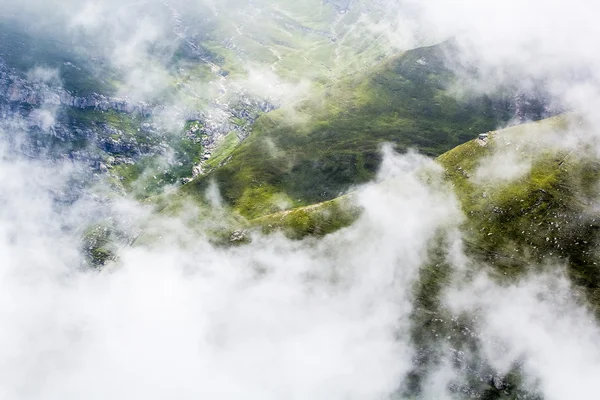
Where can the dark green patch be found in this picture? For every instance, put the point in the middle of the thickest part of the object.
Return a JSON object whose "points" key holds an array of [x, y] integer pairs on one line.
{"points": [[336, 145]]}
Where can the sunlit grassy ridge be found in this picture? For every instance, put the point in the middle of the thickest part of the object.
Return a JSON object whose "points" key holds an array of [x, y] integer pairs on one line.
{"points": [[315, 220], [539, 218], [322, 147], [514, 226]]}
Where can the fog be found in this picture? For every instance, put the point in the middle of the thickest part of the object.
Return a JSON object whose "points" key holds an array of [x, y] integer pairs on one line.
{"points": [[325, 319], [329, 318]]}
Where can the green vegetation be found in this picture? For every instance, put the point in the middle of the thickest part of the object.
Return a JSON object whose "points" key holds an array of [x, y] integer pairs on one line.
{"points": [[98, 246], [314, 220], [324, 146], [147, 172], [513, 226], [223, 150], [142, 179], [535, 220], [128, 123]]}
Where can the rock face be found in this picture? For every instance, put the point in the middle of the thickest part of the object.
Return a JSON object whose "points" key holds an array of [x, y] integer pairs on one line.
{"points": [[98, 145], [14, 89], [35, 114], [63, 125], [222, 119]]}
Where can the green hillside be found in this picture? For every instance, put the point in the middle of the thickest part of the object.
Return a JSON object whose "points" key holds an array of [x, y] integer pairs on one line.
{"points": [[542, 216], [526, 220], [323, 146]]}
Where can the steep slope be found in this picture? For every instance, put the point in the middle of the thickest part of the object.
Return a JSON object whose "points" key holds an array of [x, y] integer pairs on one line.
{"points": [[542, 212], [322, 147], [529, 194], [529, 197], [311, 39]]}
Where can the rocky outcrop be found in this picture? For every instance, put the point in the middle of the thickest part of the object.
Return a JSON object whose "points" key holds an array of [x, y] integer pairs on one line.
{"points": [[213, 124], [39, 107], [15, 89]]}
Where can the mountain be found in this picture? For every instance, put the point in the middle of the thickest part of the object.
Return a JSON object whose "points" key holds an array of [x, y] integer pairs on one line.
{"points": [[320, 148], [542, 212], [208, 71], [311, 152], [78, 102], [310, 199], [538, 215]]}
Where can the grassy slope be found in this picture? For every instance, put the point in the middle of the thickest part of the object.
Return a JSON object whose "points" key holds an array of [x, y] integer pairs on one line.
{"points": [[315, 220], [538, 219], [336, 143], [514, 227]]}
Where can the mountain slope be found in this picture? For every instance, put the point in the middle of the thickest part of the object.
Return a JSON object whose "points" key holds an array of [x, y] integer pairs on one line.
{"points": [[540, 213], [544, 215], [322, 147], [529, 198]]}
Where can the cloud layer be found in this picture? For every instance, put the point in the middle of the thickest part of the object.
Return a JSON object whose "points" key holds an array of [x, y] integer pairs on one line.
{"points": [[319, 319]]}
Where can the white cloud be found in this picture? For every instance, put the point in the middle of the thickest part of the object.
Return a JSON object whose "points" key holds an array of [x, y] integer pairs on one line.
{"points": [[502, 167], [313, 319], [271, 319], [540, 322]]}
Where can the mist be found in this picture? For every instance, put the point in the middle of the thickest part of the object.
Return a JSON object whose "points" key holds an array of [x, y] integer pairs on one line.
{"points": [[178, 316], [276, 318]]}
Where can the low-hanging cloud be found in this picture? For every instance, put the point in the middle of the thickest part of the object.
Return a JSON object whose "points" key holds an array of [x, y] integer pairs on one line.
{"points": [[539, 323], [275, 318], [327, 318]]}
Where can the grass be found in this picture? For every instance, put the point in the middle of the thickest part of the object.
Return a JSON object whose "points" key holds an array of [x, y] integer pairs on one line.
{"points": [[336, 143], [512, 228], [315, 220], [515, 227], [538, 219], [98, 246], [128, 123], [151, 174]]}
